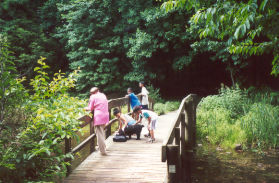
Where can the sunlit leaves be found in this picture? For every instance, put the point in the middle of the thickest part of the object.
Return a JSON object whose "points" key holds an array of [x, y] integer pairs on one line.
{"points": [[53, 117], [237, 22], [275, 63]]}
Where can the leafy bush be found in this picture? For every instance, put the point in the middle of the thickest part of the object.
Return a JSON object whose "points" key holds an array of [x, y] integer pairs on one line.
{"points": [[234, 117], [36, 152], [172, 105], [12, 113], [154, 93], [169, 106], [159, 108], [231, 99]]}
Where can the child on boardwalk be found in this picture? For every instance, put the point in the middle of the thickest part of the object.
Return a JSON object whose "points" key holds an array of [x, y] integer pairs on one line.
{"points": [[150, 116], [127, 124], [133, 98], [124, 119]]}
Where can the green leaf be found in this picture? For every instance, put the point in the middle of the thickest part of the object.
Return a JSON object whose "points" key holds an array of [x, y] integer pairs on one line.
{"points": [[229, 42], [48, 152], [263, 4], [44, 135], [57, 168], [243, 29], [37, 68], [236, 34]]}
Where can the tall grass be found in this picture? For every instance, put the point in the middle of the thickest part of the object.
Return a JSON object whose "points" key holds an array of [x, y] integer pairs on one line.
{"points": [[237, 116]]}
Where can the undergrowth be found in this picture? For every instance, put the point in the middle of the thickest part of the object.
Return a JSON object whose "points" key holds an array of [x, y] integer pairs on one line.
{"points": [[237, 116]]}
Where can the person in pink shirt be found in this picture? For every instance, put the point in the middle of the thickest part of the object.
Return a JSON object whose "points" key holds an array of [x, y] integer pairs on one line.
{"points": [[99, 104]]}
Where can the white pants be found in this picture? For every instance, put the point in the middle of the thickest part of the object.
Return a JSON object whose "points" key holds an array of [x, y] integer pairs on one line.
{"points": [[100, 133]]}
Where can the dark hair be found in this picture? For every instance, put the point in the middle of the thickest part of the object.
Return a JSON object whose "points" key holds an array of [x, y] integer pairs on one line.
{"points": [[116, 111], [130, 89], [141, 82], [136, 109]]}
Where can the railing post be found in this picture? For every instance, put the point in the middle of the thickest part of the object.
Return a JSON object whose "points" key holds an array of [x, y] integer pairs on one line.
{"points": [[92, 143], [67, 150], [182, 132], [108, 130], [195, 104], [173, 163], [129, 106], [190, 124], [177, 136], [177, 142], [185, 155]]}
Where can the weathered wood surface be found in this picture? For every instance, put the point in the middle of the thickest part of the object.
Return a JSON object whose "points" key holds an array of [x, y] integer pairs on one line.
{"points": [[181, 132], [132, 161]]}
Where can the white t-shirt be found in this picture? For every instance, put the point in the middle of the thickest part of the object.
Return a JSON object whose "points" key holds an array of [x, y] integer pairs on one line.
{"points": [[147, 113], [144, 93]]}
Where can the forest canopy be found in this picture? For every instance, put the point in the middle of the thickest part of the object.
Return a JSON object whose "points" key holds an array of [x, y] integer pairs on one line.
{"points": [[164, 43]]}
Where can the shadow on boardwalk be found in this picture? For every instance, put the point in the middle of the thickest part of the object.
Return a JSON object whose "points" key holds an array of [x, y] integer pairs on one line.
{"points": [[132, 161]]}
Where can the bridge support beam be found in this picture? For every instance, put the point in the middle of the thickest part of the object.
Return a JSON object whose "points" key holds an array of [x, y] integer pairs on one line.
{"points": [[173, 163]]}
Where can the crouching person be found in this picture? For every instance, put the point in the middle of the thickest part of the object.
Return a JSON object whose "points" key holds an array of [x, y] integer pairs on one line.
{"points": [[127, 124], [151, 118]]}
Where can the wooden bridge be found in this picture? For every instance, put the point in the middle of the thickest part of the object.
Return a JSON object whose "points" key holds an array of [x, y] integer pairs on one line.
{"points": [[166, 160]]}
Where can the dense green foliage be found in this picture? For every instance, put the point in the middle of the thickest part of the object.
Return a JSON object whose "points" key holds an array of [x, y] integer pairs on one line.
{"points": [[163, 108], [243, 27], [33, 127], [104, 37], [29, 27], [136, 40], [237, 116]]}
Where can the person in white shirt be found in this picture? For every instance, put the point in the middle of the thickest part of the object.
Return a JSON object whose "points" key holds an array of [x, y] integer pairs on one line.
{"points": [[144, 93]]}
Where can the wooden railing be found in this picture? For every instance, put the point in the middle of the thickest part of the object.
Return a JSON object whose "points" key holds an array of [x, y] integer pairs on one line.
{"points": [[177, 148], [118, 102]]}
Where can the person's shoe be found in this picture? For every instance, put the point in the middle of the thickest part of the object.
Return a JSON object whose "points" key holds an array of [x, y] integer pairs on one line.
{"points": [[151, 140], [104, 154], [147, 135]]}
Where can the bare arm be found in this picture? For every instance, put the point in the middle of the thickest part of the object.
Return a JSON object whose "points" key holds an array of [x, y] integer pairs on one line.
{"points": [[123, 119], [139, 119], [120, 125], [149, 120]]}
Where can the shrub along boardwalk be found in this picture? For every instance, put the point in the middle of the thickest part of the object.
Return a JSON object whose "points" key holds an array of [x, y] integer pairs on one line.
{"points": [[131, 161]]}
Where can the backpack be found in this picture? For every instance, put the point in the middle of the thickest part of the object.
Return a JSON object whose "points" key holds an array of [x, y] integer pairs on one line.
{"points": [[119, 138]]}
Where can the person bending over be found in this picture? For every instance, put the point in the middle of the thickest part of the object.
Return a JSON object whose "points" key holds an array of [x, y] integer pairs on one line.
{"points": [[151, 118], [127, 124]]}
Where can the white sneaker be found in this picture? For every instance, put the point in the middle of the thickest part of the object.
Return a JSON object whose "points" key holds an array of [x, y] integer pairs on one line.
{"points": [[151, 140]]}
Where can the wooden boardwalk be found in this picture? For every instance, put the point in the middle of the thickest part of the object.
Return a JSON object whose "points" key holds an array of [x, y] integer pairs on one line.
{"points": [[132, 161]]}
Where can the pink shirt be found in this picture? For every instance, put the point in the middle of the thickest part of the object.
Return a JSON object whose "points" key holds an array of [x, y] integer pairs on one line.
{"points": [[99, 103]]}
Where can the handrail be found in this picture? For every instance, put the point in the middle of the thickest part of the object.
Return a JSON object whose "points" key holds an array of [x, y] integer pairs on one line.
{"points": [[118, 102], [178, 145]]}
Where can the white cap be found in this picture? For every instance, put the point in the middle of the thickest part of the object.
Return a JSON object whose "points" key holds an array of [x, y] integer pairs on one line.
{"points": [[94, 90]]}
